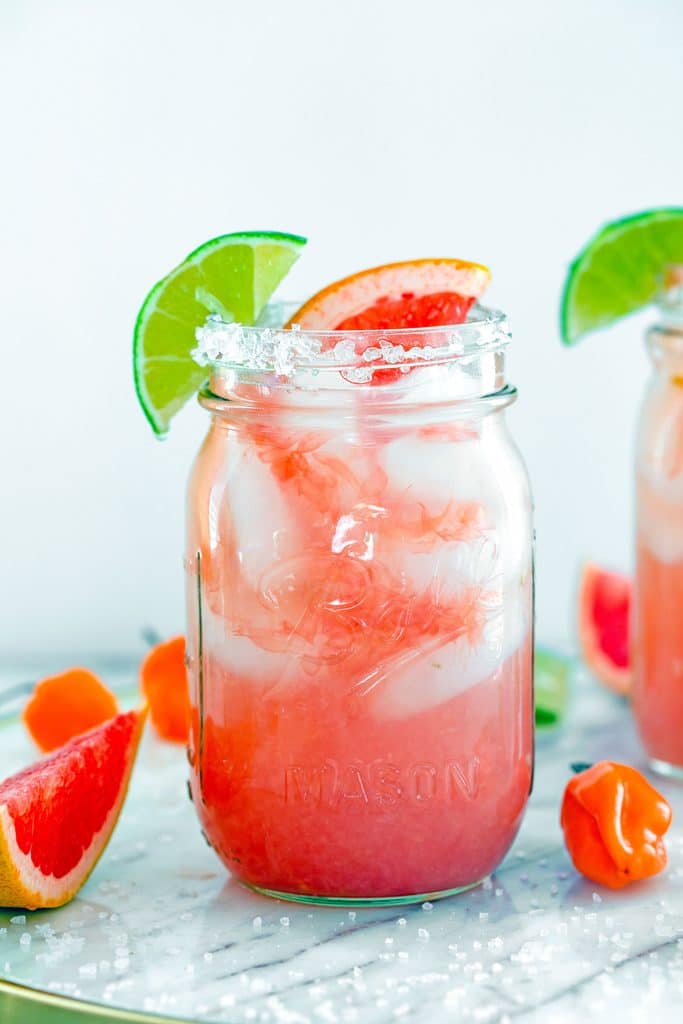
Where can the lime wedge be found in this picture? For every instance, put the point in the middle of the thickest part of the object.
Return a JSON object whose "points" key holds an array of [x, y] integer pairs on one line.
{"points": [[620, 270], [233, 275], [551, 686]]}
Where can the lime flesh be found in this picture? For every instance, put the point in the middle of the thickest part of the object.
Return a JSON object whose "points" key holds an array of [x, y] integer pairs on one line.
{"points": [[620, 270], [551, 686], [233, 276]]}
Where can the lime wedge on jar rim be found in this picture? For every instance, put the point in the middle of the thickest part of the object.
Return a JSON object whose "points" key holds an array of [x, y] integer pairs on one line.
{"points": [[233, 276], [620, 270]]}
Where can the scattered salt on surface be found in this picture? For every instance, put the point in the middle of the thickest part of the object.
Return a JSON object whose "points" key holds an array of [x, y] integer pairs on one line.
{"points": [[257, 923], [284, 921], [25, 940], [401, 922], [423, 934], [427, 906], [18, 919]]}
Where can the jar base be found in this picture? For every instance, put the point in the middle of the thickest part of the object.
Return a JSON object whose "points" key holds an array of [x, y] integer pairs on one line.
{"points": [[373, 901], [671, 771]]}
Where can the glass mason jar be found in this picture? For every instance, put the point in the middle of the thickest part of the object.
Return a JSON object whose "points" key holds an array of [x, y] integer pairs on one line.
{"points": [[657, 640], [359, 568]]}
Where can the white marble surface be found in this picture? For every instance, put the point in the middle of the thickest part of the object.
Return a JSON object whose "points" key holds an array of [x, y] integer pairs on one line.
{"points": [[161, 927]]}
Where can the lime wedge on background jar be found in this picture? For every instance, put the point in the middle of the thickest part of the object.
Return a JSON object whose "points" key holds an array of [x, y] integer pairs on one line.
{"points": [[232, 276], [633, 263], [620, 270]]}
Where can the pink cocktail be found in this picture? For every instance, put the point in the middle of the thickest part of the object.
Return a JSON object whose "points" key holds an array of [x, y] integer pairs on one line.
{"points": [[658, 590], [360, 613]]}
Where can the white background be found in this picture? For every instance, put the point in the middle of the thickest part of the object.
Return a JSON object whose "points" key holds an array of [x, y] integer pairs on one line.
{"points": [[499, 131]]}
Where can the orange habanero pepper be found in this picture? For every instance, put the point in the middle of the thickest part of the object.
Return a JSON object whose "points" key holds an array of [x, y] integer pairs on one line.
{"points": [[613, 822]]}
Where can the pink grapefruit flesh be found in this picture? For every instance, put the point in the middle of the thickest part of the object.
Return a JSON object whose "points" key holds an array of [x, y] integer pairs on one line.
{"points": [[57, 815], [604, 610], [415, 293]]}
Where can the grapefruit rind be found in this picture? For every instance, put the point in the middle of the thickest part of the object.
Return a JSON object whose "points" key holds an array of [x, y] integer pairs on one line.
{"points": [[351, 295], [22, 884], [613, 676]]}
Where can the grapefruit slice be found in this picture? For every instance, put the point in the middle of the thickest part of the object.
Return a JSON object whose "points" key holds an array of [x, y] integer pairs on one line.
{"points": [[57, 815], [415, 293], [604, 609]]}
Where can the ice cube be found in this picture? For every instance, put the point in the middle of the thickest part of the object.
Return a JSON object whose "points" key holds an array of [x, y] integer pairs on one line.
{"points": [[660, 476], [448, 568], [241, 657], [660, 519], [435, 472], [257, 514], [427, 677], [485, 473]]}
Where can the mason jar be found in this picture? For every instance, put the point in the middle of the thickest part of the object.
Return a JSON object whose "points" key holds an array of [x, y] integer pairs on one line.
{"points": [[657, 640], [360, 610]]}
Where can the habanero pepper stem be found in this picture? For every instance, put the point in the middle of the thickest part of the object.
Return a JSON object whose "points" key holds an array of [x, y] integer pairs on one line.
{"points": [[613, 822]]}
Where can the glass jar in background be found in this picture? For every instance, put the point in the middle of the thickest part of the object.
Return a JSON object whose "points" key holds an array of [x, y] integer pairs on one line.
{"points": [[658, 592], [359, 568]]}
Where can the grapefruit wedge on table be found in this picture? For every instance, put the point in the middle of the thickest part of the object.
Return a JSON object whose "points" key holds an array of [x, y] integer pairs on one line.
{"points": [[57, 815], [414, 293], [604, 610]]}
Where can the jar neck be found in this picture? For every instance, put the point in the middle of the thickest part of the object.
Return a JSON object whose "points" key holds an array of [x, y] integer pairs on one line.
{"points": [[431, 397]]}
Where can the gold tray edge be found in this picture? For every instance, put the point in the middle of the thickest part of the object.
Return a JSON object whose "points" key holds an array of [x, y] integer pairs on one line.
{"points": [[18, 1001]]}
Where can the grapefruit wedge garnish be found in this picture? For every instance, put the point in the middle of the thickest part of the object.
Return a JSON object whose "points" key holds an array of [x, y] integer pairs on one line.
{"points": [[56, 816], [416, 293], [604, 610]]}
